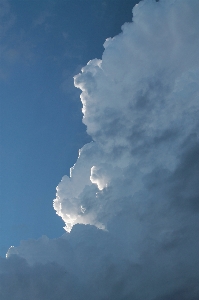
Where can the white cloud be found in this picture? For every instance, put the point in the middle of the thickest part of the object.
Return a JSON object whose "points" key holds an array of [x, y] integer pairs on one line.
{"points": [[137, 179], [139, 102]]}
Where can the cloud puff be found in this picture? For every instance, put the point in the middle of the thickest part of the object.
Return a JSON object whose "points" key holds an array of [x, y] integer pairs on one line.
{"points": [[140, 106], [131, 201]]}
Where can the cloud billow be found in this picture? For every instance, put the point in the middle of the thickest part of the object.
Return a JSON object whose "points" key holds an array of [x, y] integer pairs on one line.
{"points": [[131, 202]]}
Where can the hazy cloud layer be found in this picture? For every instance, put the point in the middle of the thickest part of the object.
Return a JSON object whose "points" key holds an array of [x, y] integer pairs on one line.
{"points": [[137, 180]]}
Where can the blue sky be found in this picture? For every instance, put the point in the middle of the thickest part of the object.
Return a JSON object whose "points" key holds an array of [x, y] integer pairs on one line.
{"points": [[44, 44], [99, 203]]}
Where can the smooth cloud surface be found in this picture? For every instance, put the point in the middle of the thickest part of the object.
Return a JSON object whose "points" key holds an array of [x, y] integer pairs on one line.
{"points": [[137, 180]]}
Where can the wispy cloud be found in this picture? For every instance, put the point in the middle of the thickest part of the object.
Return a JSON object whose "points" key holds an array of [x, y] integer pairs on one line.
{"points": [[15, 46], [7, 19], [41, 20]]}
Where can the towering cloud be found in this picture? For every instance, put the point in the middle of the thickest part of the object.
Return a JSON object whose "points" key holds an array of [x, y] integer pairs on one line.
{"points": [[131, 202]]}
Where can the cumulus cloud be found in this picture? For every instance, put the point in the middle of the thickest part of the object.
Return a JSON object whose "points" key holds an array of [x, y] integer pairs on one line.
{"points": [[131, 201]]}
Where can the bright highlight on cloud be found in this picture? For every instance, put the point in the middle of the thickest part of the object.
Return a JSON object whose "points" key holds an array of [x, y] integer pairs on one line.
{"points": [[137, 182], [140, 107]]}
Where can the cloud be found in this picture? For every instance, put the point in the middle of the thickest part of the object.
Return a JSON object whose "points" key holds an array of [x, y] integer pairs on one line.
{"points": [[15, 45], [131, 201], [41, 19], [49, 281], [7, 18]]}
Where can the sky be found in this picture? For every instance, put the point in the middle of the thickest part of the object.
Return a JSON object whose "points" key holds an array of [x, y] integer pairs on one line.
{"points": [[44, 44], [103, 119]]}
